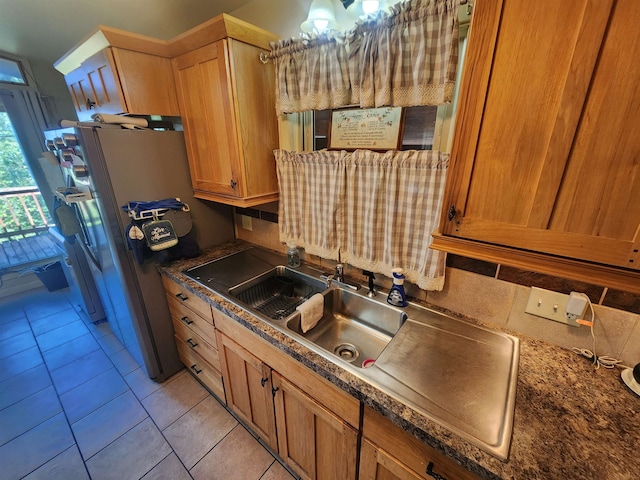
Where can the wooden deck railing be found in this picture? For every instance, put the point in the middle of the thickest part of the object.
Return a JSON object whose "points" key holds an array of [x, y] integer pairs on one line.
{"points": [[22, 212]]}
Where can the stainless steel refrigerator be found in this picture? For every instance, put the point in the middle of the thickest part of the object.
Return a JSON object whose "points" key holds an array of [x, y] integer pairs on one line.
{"points": [[118, 166]]}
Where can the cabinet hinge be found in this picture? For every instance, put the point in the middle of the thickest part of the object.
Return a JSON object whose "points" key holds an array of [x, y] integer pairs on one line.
{"points": [[451, 213]]}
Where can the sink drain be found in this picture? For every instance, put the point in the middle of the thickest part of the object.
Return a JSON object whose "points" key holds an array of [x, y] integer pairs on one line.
{"points": [[347, 352]]}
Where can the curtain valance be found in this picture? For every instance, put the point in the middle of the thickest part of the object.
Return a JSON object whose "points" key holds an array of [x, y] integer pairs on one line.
{"points": [[377, 210], [404, 58]]}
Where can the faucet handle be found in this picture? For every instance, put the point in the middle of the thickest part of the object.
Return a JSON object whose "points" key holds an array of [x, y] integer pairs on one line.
{"points": [[340, 269]]}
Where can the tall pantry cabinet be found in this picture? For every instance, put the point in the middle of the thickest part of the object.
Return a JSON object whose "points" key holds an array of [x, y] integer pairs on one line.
{"points": [[544, 167], [227, 103]]}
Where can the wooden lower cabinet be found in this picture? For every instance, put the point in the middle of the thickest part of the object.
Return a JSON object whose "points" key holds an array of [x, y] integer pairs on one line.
{"points": [[315, 442], [376, 464], [389, 453], [195, 335], [248, 387], [202, 369], [312, 424]]}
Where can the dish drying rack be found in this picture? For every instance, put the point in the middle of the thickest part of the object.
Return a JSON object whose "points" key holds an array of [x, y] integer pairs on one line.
{"points": [[74, 195], [153, 213], [270, 299]]}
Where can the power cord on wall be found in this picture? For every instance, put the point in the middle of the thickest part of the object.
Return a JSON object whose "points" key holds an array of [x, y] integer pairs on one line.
{"points": [[599, 361]]}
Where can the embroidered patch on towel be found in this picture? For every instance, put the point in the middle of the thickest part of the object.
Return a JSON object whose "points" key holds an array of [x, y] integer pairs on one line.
{"points": [[159, 234]]}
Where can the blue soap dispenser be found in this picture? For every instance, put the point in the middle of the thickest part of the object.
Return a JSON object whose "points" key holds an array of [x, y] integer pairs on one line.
{"points": [[397, 296]]}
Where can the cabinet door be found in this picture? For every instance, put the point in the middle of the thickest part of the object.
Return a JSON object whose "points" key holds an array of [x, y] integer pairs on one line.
{"points": [[203, 81], [376, 464], [248, 388], [147, 83], [95, 87], [388, 452], [312, 440], [544, 136]]}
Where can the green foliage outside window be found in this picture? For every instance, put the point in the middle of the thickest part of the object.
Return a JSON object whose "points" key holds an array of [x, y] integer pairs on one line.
{"points": [[14, 216]]}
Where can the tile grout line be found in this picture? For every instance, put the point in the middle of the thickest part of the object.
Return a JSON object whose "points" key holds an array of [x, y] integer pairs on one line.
{"points": [[75, 440]]}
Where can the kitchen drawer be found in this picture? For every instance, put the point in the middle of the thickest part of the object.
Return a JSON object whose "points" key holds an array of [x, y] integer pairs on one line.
{"points": [[401, 453], [202, 369], [188, 318], [196, 343], [188, 299]]}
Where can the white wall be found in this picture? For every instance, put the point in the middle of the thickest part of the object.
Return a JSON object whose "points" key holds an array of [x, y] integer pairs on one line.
{"points": [[282, 17]]}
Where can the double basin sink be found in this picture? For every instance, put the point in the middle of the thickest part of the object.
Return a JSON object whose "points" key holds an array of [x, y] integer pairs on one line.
{"points": [[458, 374]]}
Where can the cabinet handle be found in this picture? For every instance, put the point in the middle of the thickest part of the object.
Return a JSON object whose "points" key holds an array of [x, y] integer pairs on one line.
{"points": [[233, 183], [90, 104], [274, 390], [186, 320], [264, 381], [191, 344], [182, 297], [433, 474], [195, 369]]}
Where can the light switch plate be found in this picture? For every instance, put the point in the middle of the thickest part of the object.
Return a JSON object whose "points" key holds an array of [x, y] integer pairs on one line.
{"points": [[547, 304]]}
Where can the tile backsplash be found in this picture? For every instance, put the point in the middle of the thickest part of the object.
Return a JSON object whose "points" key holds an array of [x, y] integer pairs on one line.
{"points": [[496, 294]]}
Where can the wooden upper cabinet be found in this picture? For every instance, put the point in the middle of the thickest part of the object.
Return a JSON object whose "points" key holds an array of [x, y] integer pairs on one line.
{"points": [[227, 103], [203, 86], [130, 74], [544, 156], [94, 87]]}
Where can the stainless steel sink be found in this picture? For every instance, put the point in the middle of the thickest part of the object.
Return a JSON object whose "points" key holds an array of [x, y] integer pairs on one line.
{"points": [[277, 292], [460, 375], [463, 376], [353, 327]]}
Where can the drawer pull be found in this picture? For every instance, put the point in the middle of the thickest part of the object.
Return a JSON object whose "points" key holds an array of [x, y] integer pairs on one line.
{"points": [[191, 343], [274, 390], [195, 369], [186, 320], [182, 296], [433, 474], [264, 381]]}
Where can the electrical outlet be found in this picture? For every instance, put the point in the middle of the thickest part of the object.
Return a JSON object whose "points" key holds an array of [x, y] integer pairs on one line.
{"points": [[552, 305], [246, 223]]}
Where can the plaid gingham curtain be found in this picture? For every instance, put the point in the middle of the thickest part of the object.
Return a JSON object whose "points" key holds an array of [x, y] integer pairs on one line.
{"points": [[311, 74], [312, 189], [393, 203], [405, 58], [377, 210]]}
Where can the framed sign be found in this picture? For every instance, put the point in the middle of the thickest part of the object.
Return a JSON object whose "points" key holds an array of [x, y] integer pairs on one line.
{"points": [[370, 128]]}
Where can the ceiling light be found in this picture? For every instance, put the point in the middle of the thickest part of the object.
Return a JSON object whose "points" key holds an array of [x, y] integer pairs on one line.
{"points": [[364, 8], [321, 17]]}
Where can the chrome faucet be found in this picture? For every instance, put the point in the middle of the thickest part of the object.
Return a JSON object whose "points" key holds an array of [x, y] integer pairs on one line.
{"points": [[338, 278], [339, 275]]}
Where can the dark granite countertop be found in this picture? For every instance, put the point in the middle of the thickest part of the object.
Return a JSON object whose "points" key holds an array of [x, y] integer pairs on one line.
{"points": [[571, 420]]}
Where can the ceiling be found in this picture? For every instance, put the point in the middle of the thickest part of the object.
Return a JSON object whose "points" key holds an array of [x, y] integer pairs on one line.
{"points": [[44, 30]]}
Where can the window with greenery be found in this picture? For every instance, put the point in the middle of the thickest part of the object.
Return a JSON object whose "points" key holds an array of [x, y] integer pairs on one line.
{"points": [[22, 209]]}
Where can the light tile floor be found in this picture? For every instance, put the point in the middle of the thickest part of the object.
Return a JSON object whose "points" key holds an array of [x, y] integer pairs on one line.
{"points": [[75, 405]]}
